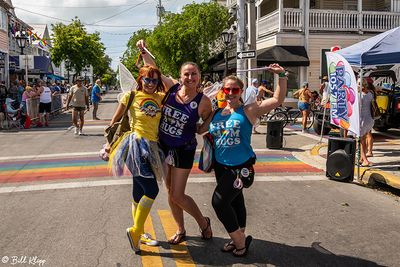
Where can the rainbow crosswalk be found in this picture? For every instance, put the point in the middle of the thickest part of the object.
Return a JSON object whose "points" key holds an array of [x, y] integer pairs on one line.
{"points": [[93, 166]]}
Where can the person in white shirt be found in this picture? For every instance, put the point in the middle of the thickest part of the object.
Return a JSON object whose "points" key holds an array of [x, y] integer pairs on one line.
{"points": [[251, 93], [324, 90], [44, 105]]}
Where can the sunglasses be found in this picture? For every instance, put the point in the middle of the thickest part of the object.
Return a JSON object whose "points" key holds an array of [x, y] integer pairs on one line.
{"points": [[234, 91], [147, 80]]}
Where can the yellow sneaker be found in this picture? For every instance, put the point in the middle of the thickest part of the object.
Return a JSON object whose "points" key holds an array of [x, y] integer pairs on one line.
{"points": [[135, 245], [147, 239]]}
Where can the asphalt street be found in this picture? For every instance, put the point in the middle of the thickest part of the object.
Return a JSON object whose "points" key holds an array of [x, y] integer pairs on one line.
{"points": [[60, 207]]}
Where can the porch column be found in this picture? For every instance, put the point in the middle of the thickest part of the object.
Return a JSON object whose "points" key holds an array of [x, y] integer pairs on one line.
{"points": [[281, 15], [360, 17]]}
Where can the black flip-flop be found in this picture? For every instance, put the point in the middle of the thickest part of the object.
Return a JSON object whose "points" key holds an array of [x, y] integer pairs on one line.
{"points": [[249, 238], [228, 247]]}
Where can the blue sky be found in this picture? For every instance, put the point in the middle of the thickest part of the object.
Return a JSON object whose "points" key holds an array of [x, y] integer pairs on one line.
{"points": [[109, 14]]}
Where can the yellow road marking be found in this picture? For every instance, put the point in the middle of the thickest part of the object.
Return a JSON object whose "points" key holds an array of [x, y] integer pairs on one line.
{"points": [[315, 150], [179, 252], [150, 255]]}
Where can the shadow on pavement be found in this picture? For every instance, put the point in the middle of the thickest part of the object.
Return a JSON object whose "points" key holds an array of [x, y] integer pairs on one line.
{"points": [[263, 252]]}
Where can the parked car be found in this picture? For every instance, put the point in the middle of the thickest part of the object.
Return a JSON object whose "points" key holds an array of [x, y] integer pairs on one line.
{"points": [[388, 100]]}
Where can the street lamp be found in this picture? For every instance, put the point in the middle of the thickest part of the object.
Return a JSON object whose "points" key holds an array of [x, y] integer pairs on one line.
{"points": [[22, 40], [226, 38]]}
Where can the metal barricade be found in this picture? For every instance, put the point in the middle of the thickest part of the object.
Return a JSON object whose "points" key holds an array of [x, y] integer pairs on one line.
{"points": [[32, 108]]}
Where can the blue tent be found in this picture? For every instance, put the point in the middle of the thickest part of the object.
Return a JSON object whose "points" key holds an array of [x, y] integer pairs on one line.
{"points": [[382, 49]]}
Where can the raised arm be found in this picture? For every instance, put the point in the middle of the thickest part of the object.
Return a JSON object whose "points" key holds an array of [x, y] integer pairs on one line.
{"points": [[148, 60], [253, 111]]}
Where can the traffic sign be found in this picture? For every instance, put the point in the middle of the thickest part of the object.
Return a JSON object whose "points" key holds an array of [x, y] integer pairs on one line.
{"points": [[246, 54]]}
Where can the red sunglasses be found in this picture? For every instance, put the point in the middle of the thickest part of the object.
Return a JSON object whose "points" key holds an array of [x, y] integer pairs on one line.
{"points": [[234, 91]]}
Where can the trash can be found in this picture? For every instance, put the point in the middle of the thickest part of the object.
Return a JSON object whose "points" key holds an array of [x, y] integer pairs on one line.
{"points": [[275, 134]]}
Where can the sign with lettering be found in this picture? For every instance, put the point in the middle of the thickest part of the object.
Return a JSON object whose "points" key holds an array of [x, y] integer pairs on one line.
{"points": [[246, 54], [343, 94]]}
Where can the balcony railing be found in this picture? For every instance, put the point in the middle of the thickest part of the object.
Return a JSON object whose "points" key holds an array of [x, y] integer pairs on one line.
{"points": [[268, 24], [327, 20], [338, 20], [293, 18]]}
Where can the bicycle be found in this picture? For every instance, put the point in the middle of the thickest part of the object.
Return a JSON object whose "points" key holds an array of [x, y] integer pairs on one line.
{"points": [[292, 116]]}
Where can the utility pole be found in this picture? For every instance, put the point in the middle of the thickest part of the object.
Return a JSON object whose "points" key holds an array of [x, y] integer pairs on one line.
{"points": [[241, 35], [251, 29], [160, 11]]}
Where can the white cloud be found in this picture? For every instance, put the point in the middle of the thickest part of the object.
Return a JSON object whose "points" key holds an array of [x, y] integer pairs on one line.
{"points": [[114, 38]]}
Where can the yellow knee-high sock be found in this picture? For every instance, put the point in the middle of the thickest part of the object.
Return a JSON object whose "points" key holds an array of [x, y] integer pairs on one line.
{"points": [[142, 211], [134, 207]]}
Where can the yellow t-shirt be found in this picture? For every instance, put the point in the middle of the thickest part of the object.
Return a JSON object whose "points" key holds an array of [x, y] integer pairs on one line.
{"points": [[145, 113]]}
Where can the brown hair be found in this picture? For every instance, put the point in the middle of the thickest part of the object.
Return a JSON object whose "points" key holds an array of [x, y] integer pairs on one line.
{"points": [[190, 63], [237, 81], [234, 78], [149, 71]]}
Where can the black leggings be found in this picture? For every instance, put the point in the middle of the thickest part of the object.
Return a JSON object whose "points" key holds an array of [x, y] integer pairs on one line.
{"points": [[144, 187], [227, 201]]}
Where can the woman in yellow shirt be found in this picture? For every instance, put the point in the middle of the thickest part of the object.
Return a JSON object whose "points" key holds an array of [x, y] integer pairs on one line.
{"points": [[139, 151]]}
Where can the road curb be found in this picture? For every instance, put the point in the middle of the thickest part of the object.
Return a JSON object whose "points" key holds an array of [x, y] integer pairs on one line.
{"points": [[368, 176]]}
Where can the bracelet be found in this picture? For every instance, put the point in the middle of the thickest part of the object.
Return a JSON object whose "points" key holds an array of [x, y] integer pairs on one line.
{"points": [[282, 75]]}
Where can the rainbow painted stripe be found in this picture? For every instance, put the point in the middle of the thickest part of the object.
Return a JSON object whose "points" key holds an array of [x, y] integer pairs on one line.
{"points": [[90, 167]]}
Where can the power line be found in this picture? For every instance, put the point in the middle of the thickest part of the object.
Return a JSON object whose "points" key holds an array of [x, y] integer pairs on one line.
{"points": [[123, 11], [49, 6], [86, 24]]}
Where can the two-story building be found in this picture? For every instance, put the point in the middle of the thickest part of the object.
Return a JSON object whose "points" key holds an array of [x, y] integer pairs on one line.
{"points": [[297, 33]]}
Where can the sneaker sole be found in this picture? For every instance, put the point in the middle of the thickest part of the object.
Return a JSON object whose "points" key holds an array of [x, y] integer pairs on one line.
{"points": [[131, 242], [152, 243]]}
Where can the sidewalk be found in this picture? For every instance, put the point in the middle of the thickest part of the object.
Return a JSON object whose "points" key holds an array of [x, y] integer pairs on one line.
{"points": [[386, 159]]}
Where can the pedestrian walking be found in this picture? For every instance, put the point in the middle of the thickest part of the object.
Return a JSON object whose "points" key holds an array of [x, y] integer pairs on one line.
{"points": [[96, 98], [231, 129], [79, 98], [183, 108], [139, 151]]}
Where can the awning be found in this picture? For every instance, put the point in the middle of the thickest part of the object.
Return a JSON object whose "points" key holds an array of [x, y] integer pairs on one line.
{"points": [[220, 65], [55, 77], [286, 56], [42, 65]]}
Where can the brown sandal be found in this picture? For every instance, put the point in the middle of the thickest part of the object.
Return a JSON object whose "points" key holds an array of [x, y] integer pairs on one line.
{"points": [[206, 229], [177, 238], [228, 247]]}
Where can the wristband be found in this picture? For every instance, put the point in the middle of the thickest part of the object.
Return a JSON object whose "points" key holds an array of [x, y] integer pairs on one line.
{"points": [[282, 75]]}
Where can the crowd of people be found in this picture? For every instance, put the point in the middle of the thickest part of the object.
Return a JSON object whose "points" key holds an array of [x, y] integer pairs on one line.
{"points": [[15, 99]]}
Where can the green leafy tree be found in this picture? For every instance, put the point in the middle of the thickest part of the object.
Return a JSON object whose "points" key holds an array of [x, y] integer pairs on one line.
{"points": [[181, 37], [72, 42], [102, 67], [131, 54], [188, 36], [109, 78]]}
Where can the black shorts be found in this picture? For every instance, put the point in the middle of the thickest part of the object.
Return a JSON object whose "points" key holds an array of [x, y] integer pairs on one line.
{"points": [[44, 107], [179, 157], [79, 109]]}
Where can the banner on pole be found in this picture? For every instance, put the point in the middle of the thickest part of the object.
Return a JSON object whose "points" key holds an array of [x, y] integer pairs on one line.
{"points": [[344, 102]]}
